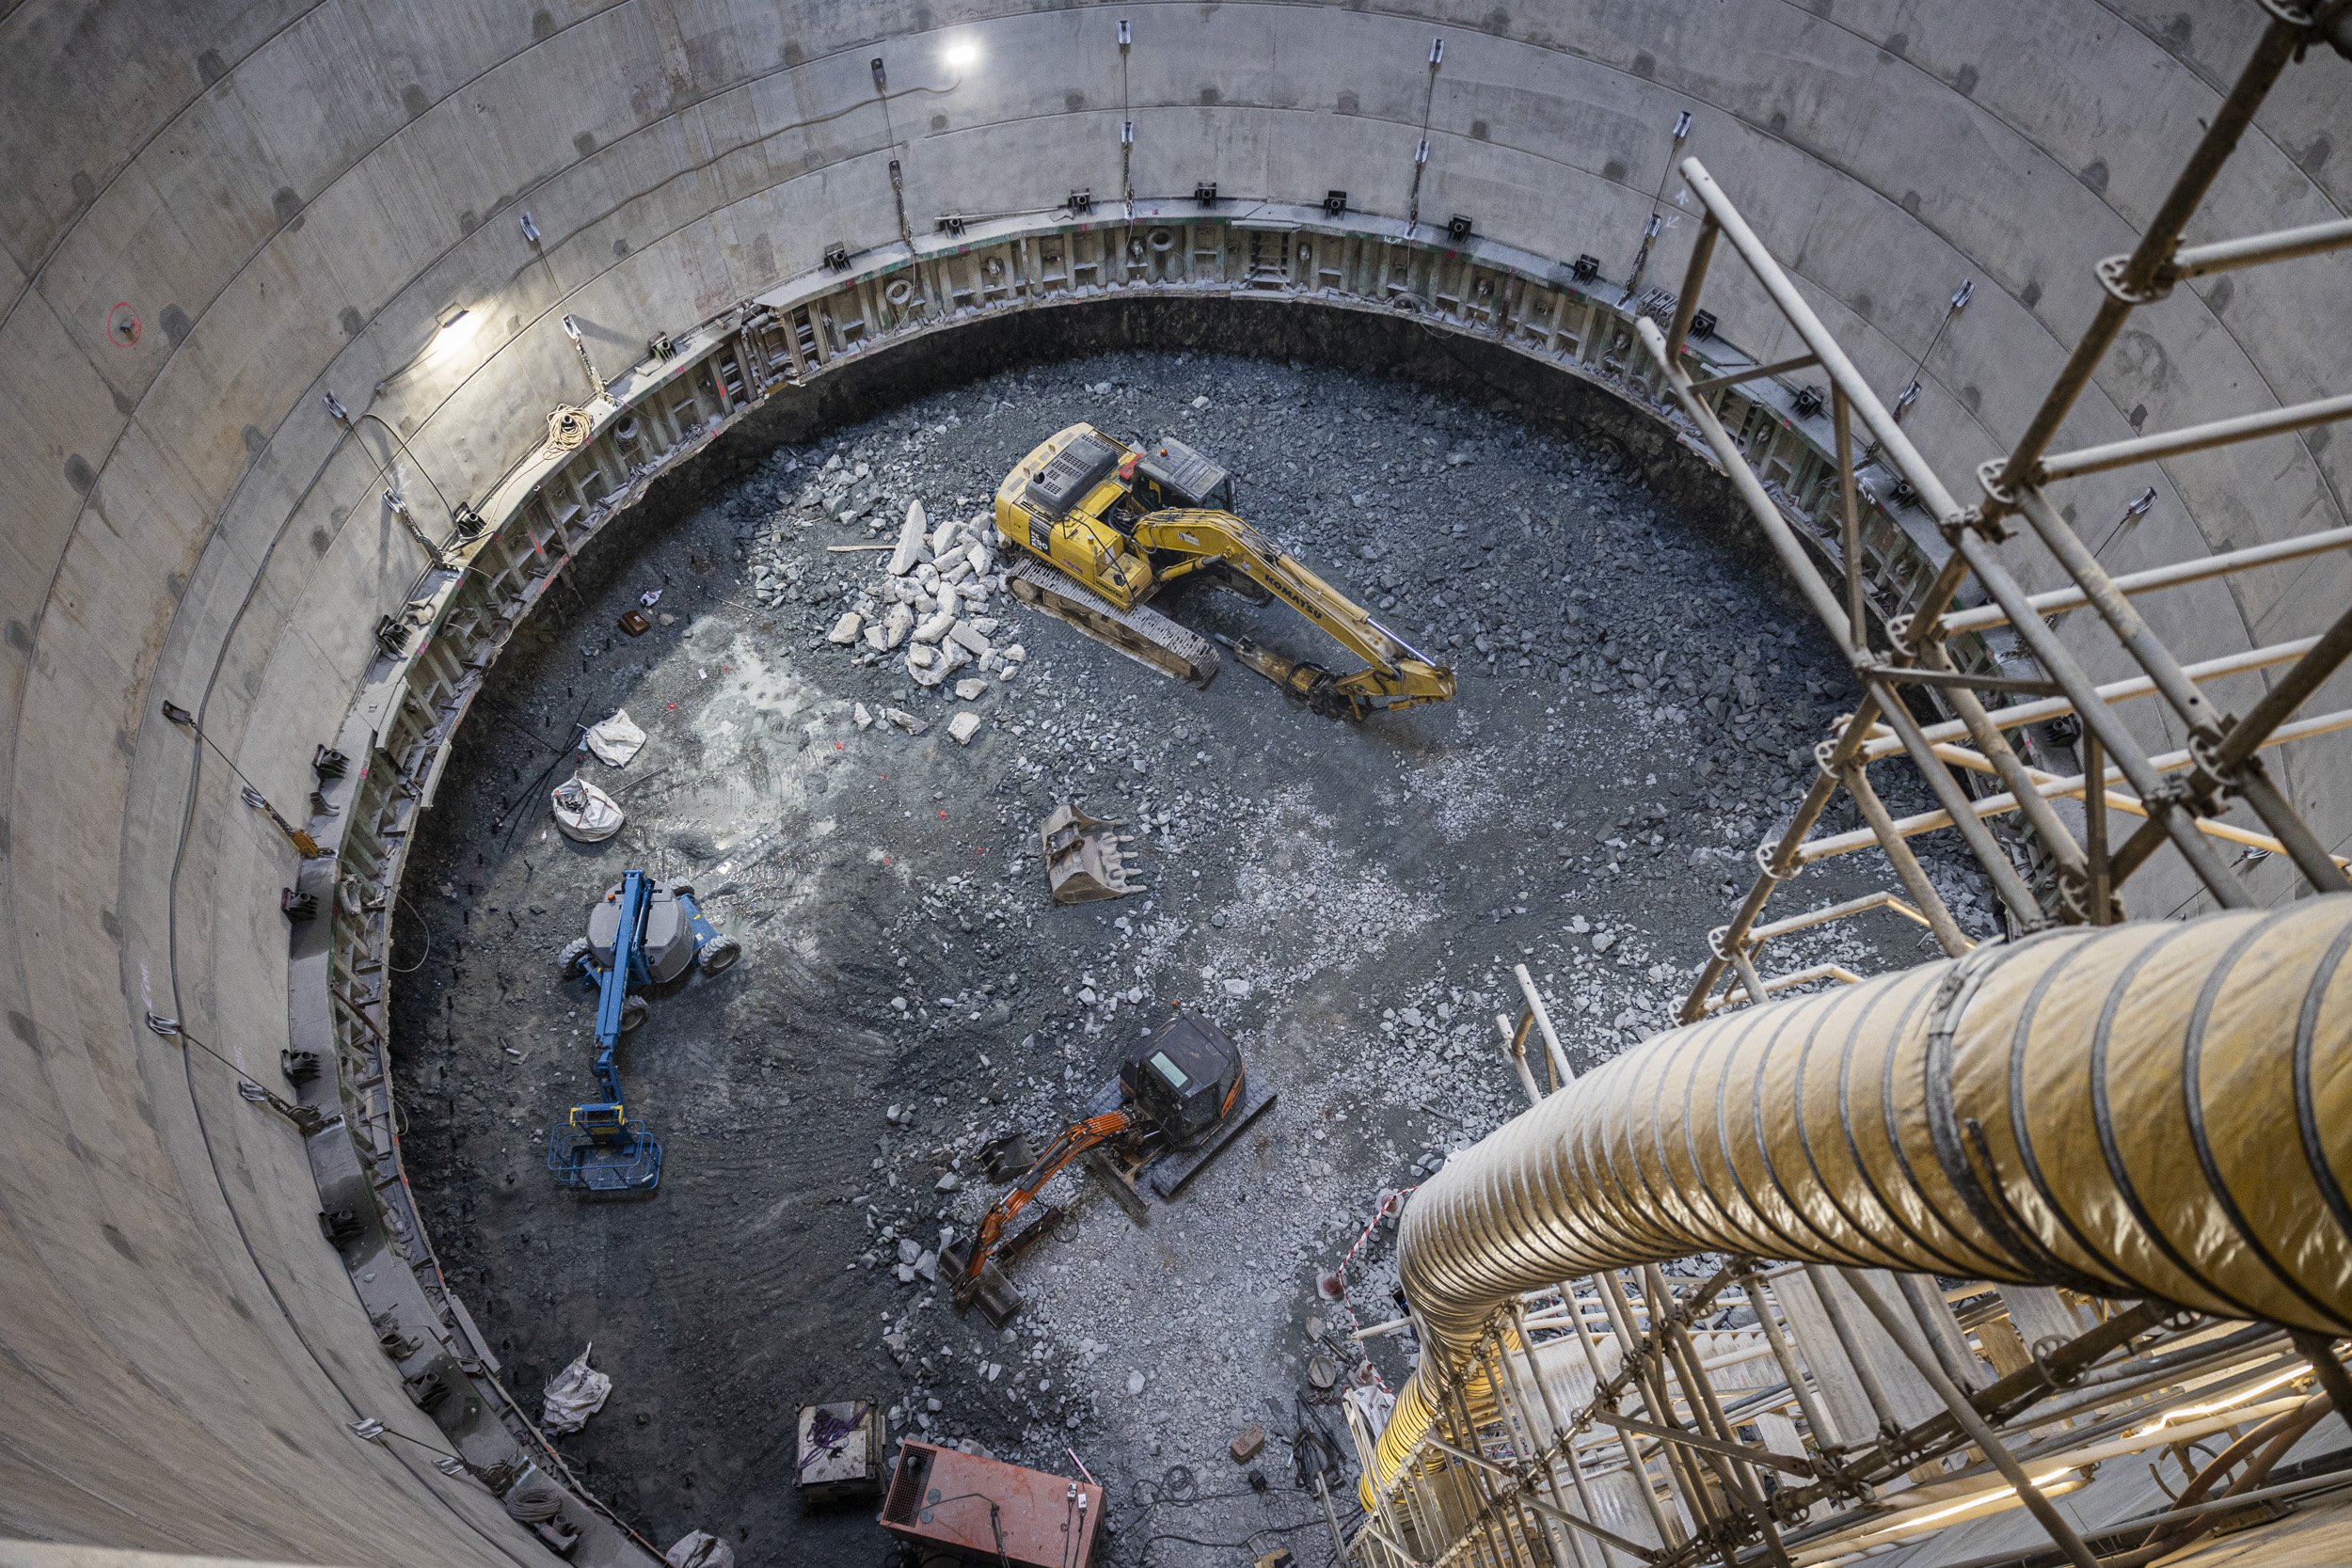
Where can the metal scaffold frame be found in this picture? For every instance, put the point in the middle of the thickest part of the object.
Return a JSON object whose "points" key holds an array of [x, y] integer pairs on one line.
{"points": [[1813, 1414], [2222, 762]]}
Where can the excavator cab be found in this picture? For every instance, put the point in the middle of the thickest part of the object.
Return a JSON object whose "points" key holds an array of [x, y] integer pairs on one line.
{"points": [[1170, 475], [1185, 1079]]}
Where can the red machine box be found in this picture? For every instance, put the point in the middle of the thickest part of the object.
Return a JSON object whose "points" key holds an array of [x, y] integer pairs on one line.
{"points": [[961, 1508]]}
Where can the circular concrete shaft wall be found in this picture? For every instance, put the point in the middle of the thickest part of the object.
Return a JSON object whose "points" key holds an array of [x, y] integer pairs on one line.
{"points": [[215, 214]]}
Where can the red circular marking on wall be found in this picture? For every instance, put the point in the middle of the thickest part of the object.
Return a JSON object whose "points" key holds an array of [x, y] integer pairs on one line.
{"points": [[122, 325]]}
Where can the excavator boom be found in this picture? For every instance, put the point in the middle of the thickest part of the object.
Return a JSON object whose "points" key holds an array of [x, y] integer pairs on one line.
{"points": [[1075, 1140], [1396, 674]]}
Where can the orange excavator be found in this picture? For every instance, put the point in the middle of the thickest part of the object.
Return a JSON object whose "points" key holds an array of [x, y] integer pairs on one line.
{"points": [[1176, 1104]]}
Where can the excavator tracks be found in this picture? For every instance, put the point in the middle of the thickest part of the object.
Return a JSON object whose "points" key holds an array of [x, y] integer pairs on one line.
{"points": [[1143, 634]]}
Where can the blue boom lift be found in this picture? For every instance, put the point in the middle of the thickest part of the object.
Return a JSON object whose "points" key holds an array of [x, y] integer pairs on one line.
{"points": [[640, 934]]}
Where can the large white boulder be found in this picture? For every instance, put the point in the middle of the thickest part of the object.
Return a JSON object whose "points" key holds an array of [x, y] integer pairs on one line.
{"points": [[911, 538]]}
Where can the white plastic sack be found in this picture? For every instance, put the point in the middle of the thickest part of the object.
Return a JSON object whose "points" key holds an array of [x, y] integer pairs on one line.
{"points": [[584, 813], [574, 1394], [700, 1549], [615, 740]]}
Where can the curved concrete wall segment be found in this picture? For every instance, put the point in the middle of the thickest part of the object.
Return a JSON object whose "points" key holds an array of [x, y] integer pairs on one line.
{"points": [[221, 223]]}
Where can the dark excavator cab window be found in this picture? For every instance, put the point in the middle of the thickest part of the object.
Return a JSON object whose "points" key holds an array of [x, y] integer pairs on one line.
{"points": [[1075, 469], [1182, 1076], [1180, 476]]}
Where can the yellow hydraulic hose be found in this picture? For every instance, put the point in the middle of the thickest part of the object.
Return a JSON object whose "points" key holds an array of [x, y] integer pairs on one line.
{"points": [[2161, 1109]]}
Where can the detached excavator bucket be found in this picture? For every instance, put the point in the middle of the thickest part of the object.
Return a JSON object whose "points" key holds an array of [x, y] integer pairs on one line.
{"points": [[1082, 860]]}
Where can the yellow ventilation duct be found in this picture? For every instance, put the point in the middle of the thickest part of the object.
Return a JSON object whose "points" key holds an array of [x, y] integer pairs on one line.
{"points": [[2161, 1109]]}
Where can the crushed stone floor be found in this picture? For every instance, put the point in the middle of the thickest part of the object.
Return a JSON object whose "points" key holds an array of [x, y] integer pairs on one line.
{"points": [[1638, 701]]}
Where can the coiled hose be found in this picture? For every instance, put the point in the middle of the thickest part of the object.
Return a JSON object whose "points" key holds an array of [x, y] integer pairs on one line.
{"points": [[2160, 1109]]}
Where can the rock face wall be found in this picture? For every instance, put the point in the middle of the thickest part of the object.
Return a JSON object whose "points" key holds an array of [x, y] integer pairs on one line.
{"points": [[216, 215]]}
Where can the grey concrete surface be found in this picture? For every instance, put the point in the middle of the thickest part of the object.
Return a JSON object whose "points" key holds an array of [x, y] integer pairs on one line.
{"points": [[288, 197]]}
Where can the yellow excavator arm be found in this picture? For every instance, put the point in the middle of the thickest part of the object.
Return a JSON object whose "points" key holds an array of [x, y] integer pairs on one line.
{"points": [[1396, 674]]}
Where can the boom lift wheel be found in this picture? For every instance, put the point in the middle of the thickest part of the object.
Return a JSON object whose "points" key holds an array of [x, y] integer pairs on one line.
{"points": [[573, 958], [632, 1012], [719, 955]]}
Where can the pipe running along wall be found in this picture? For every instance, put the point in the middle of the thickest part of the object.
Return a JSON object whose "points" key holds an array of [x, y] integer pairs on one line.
{"points": [[2160, 1109]]}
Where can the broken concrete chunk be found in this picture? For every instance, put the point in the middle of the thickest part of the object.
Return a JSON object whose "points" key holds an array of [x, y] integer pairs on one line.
{"points": [[859, 716], [1015, 654], [942, 537], [971, 690], [936, 626], [876, 639], [963, 726], [921, 656], [930, 677], [969, 636], [846, 630], [896, 626], [906, 721], [953, 656], [911, 533]]}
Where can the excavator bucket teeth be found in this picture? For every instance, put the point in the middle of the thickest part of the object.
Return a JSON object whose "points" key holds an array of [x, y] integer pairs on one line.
{"points": [[1143, 634], [1083, 858]]}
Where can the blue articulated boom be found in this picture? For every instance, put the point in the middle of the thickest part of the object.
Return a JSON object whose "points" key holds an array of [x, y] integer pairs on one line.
{"points": [[598, 1149], [655, 933]]}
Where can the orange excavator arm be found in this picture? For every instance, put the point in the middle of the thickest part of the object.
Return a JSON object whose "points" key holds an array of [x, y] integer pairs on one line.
{"points": [[1075, 1140]]}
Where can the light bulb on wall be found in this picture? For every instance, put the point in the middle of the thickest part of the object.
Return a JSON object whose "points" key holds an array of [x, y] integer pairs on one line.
{"points": [[457, 324], [961, 55]]}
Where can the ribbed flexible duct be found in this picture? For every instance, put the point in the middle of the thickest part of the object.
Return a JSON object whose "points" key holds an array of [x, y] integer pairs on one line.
{"points": [[2160, 1109]]}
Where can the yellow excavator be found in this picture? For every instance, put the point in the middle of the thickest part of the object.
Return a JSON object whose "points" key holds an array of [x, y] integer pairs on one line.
{"points": [[1100, 527]]}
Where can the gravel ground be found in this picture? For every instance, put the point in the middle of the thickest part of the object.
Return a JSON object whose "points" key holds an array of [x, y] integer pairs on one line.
{"points": [[1638, 701]]}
